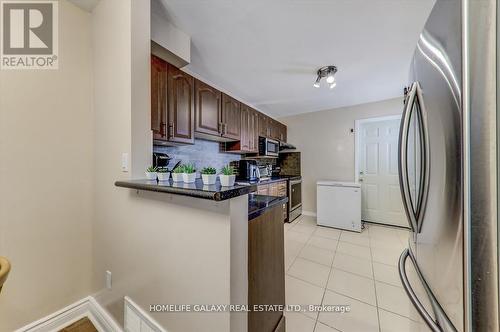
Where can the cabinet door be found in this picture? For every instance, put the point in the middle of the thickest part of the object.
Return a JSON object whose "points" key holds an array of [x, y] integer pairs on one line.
{"points": [[282, 188], [273, 189], [245, 128], [263, 127], [208, 102], [231, 118], [282, 133], [253, 135], [263, 189], [274, 128], [180, 106], [158, 98]]}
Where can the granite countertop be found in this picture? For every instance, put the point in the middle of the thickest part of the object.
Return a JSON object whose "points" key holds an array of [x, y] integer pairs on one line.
{"points": [[259, 204], [197, 189]]}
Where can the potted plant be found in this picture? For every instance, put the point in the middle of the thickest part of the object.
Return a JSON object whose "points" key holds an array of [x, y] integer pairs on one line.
{"points": [[151, 172], [189, 174], [177, 173], [227, 176], [209, 175], [163, 174]]}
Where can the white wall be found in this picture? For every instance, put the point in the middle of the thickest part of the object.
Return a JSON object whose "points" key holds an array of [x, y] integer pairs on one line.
{"points": [[46, 178], [327, 144], [160, 248]]}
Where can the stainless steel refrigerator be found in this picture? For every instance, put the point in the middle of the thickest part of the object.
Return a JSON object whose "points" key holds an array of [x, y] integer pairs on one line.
{"points": [[448, 169]]}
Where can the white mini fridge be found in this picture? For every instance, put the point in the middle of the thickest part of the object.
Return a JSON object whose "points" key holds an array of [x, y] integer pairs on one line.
{"points": [[339, 205]]}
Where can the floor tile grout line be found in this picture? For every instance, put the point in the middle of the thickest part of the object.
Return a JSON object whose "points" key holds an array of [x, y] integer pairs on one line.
{"points": [[327, 281], [375, 287]]}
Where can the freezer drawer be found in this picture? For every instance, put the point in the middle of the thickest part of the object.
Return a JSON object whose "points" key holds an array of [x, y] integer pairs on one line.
{"points": [[339, 205]]}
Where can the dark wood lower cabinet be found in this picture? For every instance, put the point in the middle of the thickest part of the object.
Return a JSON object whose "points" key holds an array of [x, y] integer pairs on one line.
{"points": [[266, 270]]}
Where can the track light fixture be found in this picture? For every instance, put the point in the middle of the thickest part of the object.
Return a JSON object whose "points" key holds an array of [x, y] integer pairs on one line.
{"points": [[328, 72]]}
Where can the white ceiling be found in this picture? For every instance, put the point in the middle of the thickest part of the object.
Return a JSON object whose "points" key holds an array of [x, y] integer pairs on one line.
{"points": [[266, 52]]}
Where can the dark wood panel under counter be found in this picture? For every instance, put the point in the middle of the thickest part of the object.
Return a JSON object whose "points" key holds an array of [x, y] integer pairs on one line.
{"points": [[266, 265]]}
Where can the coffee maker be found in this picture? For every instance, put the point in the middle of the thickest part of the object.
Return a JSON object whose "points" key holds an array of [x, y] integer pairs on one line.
{"points": [[248, 170]]}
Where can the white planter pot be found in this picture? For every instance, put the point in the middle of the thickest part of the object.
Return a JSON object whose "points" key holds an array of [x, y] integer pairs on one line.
{"points": [[227, 180], [151, 175], [177, 177], [163, 176], [209, 179], [189, 178]]}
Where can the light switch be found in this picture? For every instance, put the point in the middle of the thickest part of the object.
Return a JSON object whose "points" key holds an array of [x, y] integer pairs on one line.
{"points": [[124, 162]]}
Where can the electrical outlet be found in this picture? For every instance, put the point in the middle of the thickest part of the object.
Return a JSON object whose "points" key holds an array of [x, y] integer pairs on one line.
{"points": [[109, 280], [124, 162]]}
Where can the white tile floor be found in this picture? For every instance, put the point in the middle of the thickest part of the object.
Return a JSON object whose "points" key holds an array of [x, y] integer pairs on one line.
{"points": [[330, 266]]}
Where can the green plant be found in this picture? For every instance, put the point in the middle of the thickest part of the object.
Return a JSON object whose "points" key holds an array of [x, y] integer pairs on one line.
{"points": [[227, 170], [189, 169], [162, 170], [179, 169], [208, 170], [152, 169]]}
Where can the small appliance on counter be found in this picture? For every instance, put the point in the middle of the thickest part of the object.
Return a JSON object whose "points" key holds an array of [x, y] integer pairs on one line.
{"points": [[248, 170], [161, 161], [265, 172]]}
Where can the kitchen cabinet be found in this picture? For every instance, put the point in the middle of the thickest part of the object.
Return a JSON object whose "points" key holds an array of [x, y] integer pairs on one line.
{"points": [[245, 128], [248, 142], [208, 109], [263, 189], [263, 129], [159, 98], [172, 103], [231, 117], [253, 136], [183, 108], [180, 101], [282, 132], [266, 270]]}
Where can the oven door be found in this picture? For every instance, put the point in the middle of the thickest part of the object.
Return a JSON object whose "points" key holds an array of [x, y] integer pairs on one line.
{"points": [[295, 191]]}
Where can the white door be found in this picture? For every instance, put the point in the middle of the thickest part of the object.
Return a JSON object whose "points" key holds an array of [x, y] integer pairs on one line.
{"points": [[378, 171]]}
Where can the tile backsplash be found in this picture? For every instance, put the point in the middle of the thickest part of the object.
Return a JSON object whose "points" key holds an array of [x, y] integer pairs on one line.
{"points": [[201, 154]]}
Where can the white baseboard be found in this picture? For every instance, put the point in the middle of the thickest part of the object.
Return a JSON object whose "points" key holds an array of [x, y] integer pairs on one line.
{"points": [[86, 307], [309, 213]]}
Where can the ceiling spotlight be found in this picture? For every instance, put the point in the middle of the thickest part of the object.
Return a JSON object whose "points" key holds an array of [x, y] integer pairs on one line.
{"points": [[316, 84], [328, 72]]}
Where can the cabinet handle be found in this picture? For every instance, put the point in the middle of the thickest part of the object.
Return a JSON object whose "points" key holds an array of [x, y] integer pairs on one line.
{"points": [[171, 130]]}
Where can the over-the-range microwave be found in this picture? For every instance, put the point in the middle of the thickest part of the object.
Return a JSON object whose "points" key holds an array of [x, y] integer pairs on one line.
{"points": [[268, 147]]}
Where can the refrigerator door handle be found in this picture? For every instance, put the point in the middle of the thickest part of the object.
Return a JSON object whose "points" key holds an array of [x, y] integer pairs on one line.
{"points": [[425, 158], [403, 156], [411, 294]]}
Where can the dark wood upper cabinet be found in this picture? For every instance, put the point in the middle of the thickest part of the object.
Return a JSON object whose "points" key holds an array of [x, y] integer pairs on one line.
{"points": [[182, 106], [158, 98], [231, 117], [208, 106], [180, 97], [245, 128], [253, 135], [282, 132], [263, 129]]}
